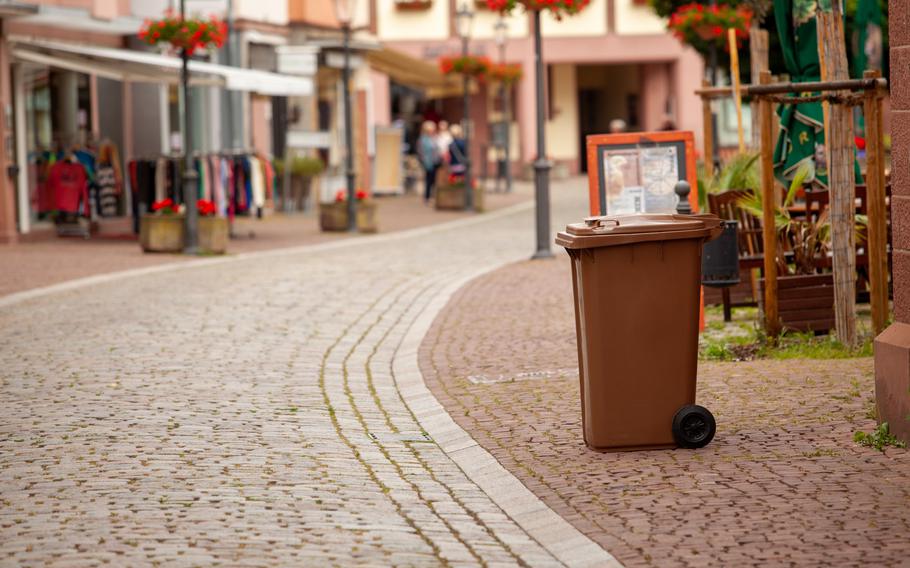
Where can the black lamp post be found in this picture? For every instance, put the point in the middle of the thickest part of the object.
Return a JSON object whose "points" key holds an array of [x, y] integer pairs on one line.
{"points": [[343, 12], [541, 164], [463, 19], [502, 35], [190, 178]]}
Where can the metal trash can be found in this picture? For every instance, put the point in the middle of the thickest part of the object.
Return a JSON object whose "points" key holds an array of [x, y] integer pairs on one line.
{"points": [[636, 280]]}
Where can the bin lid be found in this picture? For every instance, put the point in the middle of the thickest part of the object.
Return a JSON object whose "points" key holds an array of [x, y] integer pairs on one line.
{"points": [[609, 230]]}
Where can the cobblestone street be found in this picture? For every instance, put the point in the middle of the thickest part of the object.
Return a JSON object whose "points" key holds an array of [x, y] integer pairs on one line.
{"points": [[265, 410], [782, 484]]}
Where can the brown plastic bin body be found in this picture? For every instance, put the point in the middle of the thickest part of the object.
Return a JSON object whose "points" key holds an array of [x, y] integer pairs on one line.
{"points": [[636, 281]]}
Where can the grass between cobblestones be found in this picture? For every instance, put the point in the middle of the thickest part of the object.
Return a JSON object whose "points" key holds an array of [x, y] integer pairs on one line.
{"points": [[743, 339], [783, 482]]}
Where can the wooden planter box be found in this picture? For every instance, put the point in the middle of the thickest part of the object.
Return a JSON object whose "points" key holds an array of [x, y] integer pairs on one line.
{"points": [[451, 197], [161, 233], [213, 235], [805, 302], [334, 216], [413, 4]]}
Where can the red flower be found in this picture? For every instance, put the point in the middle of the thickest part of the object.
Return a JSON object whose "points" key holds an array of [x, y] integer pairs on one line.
{"points": [[340, 196], [860, 142], [162, 204], [205, 207], [360, 195]]}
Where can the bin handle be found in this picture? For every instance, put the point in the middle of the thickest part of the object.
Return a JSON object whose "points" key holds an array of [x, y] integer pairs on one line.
{"points": [[599, 222]]}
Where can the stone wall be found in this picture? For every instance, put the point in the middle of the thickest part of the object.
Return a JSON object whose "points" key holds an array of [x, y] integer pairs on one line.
{"points": [[892, 347]]}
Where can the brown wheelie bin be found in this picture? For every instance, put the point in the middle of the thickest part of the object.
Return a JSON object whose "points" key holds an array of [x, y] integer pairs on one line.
{"points": [[637, 281]]}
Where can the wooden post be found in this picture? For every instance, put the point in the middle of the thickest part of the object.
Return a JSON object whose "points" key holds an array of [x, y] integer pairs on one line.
{"points": [[737, 93], [708, 130], [877, 211], [840, 154], [769, 232], [758, 56]]}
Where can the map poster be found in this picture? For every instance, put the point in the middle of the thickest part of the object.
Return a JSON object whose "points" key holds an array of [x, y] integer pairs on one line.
{"points": [[641, 180], [638, 172]]}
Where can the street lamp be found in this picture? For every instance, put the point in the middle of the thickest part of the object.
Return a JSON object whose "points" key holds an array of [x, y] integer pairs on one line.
{"points": [[190, 177], [343, 12], [541, 164], [463, 18], [502, 35]]}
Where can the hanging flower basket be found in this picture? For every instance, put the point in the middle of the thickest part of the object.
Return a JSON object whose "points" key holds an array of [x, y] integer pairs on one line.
{"points": [[558, 8], [191, 34], [505, 73], [702, 26], [470, 65], [413, 4]]}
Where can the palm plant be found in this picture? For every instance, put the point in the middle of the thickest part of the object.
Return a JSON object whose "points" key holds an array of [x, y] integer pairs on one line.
{"points": [[806, 238], [740, 172]]}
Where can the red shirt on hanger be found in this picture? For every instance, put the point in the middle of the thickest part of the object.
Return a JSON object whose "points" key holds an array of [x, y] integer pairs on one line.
{"points": [[67, 182]]}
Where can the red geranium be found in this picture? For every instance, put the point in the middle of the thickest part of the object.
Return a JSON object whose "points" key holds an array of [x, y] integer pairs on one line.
{"points": [[165, 206], [191, 34], [701, 27], [205, 207], [558, 8], [506, 73], [471, 65], [342, 195]]}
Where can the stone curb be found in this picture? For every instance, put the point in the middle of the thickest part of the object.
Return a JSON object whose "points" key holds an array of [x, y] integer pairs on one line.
{"points": [[551, 531], [18, 297]]}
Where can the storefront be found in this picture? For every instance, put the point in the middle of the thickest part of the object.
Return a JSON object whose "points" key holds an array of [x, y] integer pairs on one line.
{"points": [[106, 108]]}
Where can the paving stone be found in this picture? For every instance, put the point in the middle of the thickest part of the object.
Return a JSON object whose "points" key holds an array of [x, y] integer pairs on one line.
{"points": [[247, 412], [783, 483]]}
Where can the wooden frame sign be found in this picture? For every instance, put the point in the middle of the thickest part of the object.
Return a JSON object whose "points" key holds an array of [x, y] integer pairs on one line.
{"points": [[636, 172]]}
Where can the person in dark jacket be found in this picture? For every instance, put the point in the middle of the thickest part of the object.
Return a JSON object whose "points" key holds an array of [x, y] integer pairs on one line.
{"points": [[458, 151], [428, 154]]}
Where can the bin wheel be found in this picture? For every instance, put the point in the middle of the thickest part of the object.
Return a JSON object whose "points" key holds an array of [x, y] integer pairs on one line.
{"points": [[693, 426]]}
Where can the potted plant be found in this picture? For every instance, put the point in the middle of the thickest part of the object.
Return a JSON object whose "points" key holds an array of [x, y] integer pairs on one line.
{"points": [[303, 170], [451, 195], [162, 229], [413, 4], [705, 26], [470, 65], [334, 216], [805, 294], [191, 34], [557, 8], [212, 230], [507, 73]]}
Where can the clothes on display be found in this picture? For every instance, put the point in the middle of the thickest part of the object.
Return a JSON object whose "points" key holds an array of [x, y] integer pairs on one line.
{"points": [[108, 180], [238, 184], [67, 187]]}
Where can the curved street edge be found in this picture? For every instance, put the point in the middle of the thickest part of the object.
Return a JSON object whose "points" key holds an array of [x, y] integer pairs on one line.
{"points": [[566, 543]]}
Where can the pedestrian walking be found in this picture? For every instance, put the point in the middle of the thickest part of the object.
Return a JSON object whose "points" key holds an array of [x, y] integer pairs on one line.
{"points": [[430, 157], [444, 139], [457, 151]]}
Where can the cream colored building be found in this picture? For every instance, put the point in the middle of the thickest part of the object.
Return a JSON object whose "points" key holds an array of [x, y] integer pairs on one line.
{"points": [[613, 60]]}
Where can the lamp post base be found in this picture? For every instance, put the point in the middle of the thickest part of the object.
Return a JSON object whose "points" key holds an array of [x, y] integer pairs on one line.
{"points": [[190, 191], [542, 199]]}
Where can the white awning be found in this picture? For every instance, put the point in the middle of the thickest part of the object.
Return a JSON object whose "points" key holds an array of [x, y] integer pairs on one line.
{"points": [[143, 66]]}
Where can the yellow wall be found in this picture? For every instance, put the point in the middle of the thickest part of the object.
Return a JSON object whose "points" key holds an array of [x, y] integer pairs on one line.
{"points": [[634, 18], [562, 130]]}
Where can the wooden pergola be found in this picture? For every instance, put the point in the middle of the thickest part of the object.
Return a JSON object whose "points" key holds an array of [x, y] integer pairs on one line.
{"points": [[839, 96]]}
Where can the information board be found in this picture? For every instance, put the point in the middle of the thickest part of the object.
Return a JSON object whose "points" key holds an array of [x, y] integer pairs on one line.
{"points": [[636, 172]]}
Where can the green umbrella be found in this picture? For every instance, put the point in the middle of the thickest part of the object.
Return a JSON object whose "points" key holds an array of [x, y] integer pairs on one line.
{"points": [[802, 129]]}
